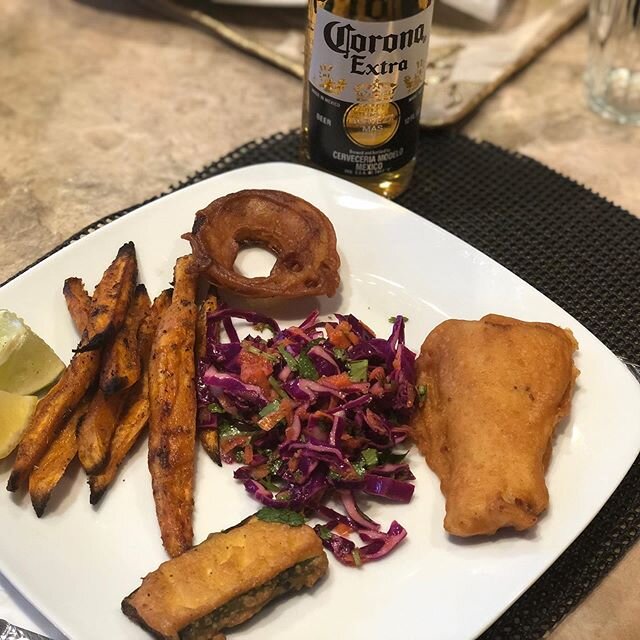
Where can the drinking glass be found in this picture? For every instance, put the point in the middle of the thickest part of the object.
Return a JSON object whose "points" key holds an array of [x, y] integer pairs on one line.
{"points": [[613, 69]]}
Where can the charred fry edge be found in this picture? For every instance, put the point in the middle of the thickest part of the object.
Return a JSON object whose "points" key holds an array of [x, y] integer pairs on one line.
{"points": [[53, 465], [111, 298], [121, 359], [78, 303]]}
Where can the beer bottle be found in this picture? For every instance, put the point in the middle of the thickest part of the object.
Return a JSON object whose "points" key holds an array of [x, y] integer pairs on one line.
{"points": [[364, 75]]}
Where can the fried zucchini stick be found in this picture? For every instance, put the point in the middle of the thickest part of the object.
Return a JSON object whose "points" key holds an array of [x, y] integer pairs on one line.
{"points": [[49, 471], [136, 410], [208, 437], [172, 423], [121, 360], [112, 297]]}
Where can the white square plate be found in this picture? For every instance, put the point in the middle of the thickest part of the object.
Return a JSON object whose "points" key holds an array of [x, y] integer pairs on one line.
{"points": [[77, 563]]}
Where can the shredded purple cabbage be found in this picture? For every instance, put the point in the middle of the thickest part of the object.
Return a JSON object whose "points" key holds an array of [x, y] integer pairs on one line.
{"points": [[312, 414]]}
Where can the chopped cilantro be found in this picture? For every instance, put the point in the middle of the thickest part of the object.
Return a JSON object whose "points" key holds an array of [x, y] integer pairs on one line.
{"points": [[275, 384], [288, 358], [323, 532], [214, 407], [359, 467], [312, 343], [333, 475], [228, 430], [258, 352], [392, 319], [306, 367], [283, 516], [369, 457], [358, 370], [274, 464], [262, 327], [269, 485], [340, 354], [421, 390], [269, 408]]}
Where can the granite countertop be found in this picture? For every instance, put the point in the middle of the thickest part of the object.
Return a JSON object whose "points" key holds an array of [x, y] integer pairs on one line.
{"points": [[104, 104]]}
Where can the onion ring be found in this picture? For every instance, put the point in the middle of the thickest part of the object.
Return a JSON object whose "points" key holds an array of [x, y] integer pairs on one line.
{"points": [[301, 237]]}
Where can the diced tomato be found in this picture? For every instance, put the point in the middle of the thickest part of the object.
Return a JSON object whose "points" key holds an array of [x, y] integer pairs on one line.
{"points": [[255, 369]]}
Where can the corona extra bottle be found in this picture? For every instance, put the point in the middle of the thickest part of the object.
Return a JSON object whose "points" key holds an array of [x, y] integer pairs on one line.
{"points": [[364, 75]]}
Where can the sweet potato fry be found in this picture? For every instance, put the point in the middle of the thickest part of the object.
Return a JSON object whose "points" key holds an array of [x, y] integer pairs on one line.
{"points": [[78, 302], [208, 437], [172, 422], [207, 306], [134, 418], [96, 430], [51, 412], [136, 410], [48, 472], [112, 297], [121, 359]]}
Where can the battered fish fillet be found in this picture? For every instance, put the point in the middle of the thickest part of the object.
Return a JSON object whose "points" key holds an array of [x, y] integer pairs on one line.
{"points": [[496, 389]]}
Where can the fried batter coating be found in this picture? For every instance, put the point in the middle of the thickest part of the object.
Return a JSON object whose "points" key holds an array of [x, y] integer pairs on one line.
{"points": [[301, 237], [495, 390]]}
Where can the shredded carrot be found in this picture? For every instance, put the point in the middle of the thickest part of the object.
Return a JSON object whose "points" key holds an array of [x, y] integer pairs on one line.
{"points": [[285, 410], [229, 444], [341, 336], [339, 381], [342, 529]]}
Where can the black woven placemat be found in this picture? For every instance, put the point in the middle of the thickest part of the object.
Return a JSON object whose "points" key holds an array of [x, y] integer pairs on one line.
{"points": [[580, 250]]}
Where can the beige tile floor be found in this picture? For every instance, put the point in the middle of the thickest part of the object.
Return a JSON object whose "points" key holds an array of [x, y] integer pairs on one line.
{"points": [[103, 105]]}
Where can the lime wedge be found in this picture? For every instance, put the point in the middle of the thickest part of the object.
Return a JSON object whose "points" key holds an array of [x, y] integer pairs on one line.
{"points": [[13, 333], [27, 362], [15, 413]]}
